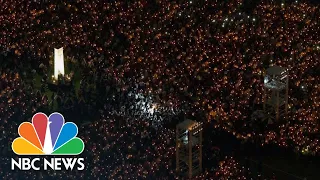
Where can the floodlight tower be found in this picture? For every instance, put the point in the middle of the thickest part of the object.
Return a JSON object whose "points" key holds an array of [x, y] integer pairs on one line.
{"points": [[189, 148], [276, 90]]}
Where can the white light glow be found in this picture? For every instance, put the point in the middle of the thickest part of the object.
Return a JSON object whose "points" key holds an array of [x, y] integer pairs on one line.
{"points": [[58, 62], [284, 77], [152, 109], [266, 79], [145, 107], [185, 138]]}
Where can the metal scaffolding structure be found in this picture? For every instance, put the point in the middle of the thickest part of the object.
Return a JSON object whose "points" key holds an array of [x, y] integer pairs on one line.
{"points": [[276, 88], [189, 148]]}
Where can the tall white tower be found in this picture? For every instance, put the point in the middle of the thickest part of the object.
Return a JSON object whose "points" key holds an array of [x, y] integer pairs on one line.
{"points": [[58, 62]]}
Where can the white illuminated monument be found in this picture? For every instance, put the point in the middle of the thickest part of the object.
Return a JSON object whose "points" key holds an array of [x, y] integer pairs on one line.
{"points": [[58, 62]]}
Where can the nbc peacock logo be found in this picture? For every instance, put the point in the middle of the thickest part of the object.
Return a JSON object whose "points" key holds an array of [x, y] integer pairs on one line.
{"points": [[48, 136]]}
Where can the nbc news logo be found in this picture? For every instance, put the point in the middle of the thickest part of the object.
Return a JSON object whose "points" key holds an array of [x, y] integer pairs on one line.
{"points": [[48, 136]]}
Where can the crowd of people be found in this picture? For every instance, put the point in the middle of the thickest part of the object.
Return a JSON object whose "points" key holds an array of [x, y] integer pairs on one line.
{"points": [[17, 100], [206, 59]]}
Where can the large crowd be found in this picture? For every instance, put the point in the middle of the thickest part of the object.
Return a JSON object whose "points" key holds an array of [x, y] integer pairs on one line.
{"points": [[204, 58]]}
